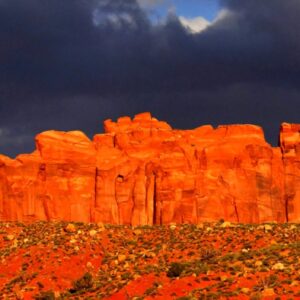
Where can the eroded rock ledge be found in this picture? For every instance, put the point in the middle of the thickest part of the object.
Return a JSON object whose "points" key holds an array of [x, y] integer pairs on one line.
{"points": [[142, 171]]}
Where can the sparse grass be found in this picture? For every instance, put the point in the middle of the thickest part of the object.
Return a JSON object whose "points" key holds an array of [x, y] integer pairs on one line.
{"points": [[83, 283], [209, 255]]}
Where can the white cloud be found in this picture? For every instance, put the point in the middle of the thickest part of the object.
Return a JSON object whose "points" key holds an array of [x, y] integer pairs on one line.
{"points": [[117, 19], [223, 14], [195, 25]]}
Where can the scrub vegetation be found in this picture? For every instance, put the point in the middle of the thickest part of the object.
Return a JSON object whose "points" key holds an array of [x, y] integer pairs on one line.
{"points": [[187, 262]]}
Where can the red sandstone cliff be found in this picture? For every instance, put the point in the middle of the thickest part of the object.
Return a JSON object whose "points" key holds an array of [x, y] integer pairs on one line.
{"points": [[141, 171]]}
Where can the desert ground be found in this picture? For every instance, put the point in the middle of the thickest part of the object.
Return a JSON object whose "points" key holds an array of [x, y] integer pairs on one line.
{"points": [[221, 260]]}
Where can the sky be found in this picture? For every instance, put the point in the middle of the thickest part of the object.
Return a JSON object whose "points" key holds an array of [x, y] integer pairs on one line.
{"points": [[69, 65], [188, 8]]}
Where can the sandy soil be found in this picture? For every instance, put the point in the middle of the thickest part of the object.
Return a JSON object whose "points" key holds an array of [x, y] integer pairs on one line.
{"points": [[206, 261]]}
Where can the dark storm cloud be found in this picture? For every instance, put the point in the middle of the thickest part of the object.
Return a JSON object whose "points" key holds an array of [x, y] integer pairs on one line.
{"points": [[55, 46], [70, 64], [260, 39]]}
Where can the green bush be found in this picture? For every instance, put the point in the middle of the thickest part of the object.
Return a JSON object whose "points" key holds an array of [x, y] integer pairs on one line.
{"points": [[175, 269], [83, 283], [48, 295]]}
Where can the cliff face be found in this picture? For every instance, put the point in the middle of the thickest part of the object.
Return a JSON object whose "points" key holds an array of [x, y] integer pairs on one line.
{"points": [[141, 171], [290, 144]]}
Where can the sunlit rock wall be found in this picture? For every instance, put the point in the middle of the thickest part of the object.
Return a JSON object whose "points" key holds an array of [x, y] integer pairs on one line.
{"points": [[141, 171]]}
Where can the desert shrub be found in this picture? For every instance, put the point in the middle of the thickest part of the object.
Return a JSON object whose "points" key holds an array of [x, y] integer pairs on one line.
{"points": [[83, 283], [47, 295], [266, 282], [151, 291], [175, 269], [256, 296], [208, 296], [126, 276], [208, 254], [184, 298]]}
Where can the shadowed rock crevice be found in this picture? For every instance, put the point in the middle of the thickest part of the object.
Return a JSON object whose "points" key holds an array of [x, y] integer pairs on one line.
{"points": [[141, 171]]}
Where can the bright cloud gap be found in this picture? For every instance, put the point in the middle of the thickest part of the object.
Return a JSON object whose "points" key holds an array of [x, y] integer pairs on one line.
{"points": [[195, 25]]}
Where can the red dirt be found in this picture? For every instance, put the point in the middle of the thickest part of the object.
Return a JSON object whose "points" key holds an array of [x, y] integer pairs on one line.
{"points": [[214, 261]]}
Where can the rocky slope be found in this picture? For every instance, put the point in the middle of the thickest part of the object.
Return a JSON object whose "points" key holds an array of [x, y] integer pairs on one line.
{"points": [[142, 171]]}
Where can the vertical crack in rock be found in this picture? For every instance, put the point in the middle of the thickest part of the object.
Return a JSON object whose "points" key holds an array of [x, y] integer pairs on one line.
{"points": [[236, 210], [154, 201], [290, 147], [94, 206], [119, 178], [286, 208]]}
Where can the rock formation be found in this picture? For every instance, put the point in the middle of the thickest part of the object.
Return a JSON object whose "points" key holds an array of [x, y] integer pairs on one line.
{"points": [[142, 171]]}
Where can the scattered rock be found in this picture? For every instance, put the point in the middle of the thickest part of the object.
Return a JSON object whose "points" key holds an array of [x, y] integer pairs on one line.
{"points": [[70, 228], [137, 232], [101, 227], [10, 237], [258, 263], [226, 224], [121, 257], [268, 227], [172, 226], [295, 283], [132, 257], [278, 266], [92, 232], [268, 292], [245, 290]]}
